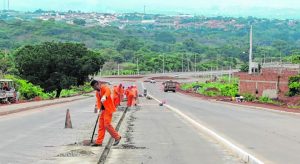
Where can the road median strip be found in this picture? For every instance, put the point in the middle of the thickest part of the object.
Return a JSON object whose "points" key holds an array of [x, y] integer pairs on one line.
{"points": [[111, 140]]}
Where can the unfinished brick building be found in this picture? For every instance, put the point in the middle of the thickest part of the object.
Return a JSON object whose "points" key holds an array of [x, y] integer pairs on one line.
{"points": [[271, 81]]}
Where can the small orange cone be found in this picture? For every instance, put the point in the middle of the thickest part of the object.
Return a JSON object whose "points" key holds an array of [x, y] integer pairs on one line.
{"points": [[68, 123]]}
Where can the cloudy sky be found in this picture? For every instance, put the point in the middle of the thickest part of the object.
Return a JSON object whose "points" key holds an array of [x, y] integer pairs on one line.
{"points": [[152, 5]]}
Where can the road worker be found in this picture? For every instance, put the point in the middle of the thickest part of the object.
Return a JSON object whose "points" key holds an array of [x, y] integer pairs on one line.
{"points": [[135, 93], [121, 88], [126, 92], [116, 96], [105, 103], [130, 96]]}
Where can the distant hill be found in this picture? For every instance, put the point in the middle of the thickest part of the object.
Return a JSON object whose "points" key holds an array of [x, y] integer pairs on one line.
{"points": [[223, 35]]}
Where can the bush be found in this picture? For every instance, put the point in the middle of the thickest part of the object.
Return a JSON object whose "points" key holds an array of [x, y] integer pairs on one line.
{"points": [[294, 86], [29, 91], [189, 86], [265, 99], [269, 101], [26, 89], [221, 88], [249, 97]]}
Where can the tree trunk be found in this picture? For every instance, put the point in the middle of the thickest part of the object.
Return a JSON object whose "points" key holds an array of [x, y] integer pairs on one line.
{"points": [[58, 91]]}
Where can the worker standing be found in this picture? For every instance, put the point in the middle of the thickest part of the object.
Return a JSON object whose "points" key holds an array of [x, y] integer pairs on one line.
{"points": [[135, 93], [116, 96], [105, 103], [130, 96], [121, 88]]}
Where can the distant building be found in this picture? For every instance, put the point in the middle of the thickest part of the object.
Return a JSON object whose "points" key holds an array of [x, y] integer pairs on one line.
{"points": [[148, 21]]}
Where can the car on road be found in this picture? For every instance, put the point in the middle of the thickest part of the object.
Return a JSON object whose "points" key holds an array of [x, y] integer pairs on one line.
{"points": [[170, 86], [8, 92], [152, 81]]}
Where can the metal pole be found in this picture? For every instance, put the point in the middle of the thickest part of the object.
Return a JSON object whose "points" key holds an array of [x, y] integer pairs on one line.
{"points": [[182, 64], [137, 63], [195, 63], [250, 52], [188, 64], [210, 72], [163, 63], [230, 74], [118, 69]]}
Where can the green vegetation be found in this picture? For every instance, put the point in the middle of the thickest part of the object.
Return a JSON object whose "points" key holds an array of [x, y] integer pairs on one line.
{"points": [[57, 56], [215, 47], [294, 85], [249, 97], [221, 87], [57, 66], [269, 101], [28, 91], [224, 88]]}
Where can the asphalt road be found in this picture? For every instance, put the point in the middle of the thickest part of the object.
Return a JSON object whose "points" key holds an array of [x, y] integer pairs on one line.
{"points": [[35, 135], [156, 135], [160, 136], [271, 136]]}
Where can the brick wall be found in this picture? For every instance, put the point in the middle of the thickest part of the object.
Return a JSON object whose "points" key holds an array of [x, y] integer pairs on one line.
{"points": [[267, 79]]}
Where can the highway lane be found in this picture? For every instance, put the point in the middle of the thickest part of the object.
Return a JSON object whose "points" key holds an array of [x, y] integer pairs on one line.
{"points": [[272, 137], [156, 135], [35, 135]]}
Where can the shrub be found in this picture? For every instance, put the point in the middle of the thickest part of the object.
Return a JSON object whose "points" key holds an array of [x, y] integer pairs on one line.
{"points": [[249, 97], [26, 89], [269, 101], [294, 85]]}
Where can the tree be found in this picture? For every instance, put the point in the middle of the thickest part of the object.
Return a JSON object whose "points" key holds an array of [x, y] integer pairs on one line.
{"points": [[57, 66], [129, 44], [7, 64], [166, 37], [295, 59], [80, 22], [245, 68], [294, 85]]}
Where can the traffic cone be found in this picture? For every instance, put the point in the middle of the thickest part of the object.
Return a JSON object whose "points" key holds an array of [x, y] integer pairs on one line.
{"points": [[68, 123]]}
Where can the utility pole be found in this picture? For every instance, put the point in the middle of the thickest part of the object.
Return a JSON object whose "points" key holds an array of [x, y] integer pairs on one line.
{"points": [[163, 63], [137, 64], [230, 74], [182, 64], [195, 63], [250, 52], [4, 5], [144, 12], [188, 64], [118, 69]]}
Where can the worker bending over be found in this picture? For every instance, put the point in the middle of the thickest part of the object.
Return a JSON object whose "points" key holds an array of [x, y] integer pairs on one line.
{"points": [[106, 104]]}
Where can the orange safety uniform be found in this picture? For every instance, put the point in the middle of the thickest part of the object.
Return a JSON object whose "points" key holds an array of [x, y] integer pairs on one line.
{"points": [[135, 95], [121, 93], [108, 108], [116, 96], [130, 97]]}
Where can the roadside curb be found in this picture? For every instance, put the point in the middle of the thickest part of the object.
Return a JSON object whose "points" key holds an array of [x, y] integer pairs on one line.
{"points": [[248, 106], [245, 156], [258, 108], [39, 106]]}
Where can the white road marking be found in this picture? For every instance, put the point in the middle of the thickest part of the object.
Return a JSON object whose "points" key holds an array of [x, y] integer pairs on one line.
{"points": [[245, 156]]}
